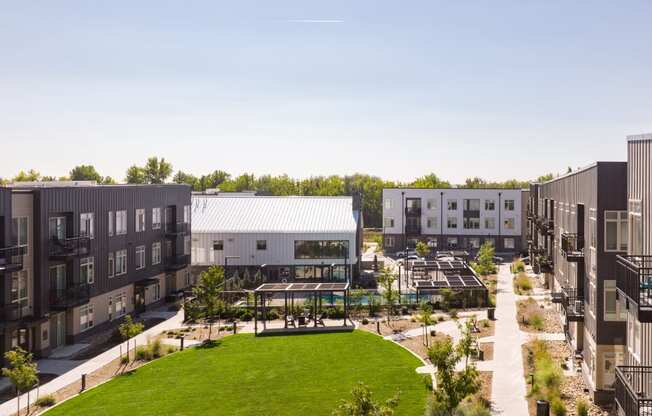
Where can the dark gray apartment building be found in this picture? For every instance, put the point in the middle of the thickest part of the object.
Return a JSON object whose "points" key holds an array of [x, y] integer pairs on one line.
{"points": [[634, 283], [577, 228], [76, 257]]}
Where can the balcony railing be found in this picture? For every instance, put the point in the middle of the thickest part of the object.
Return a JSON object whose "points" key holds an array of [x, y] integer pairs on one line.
{"points": [[69, 247], [70, 297], [573, 304], [11, 258], [572, 247], [412, 229], [11, 312], [413, 211], [634, 390], [174, 263], [543, 264], [634, 280], [545, 225], [178, 228]]}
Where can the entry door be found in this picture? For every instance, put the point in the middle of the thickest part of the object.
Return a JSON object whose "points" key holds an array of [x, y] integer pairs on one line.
{"points": [[139, 299], [58, 330], [58, 227]]}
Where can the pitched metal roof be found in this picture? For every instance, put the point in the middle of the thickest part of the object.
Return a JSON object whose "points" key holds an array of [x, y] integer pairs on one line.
{"points": [[272, 214]]}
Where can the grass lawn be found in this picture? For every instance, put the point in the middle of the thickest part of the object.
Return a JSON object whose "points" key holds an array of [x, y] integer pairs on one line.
{"points": [[285, 375]]}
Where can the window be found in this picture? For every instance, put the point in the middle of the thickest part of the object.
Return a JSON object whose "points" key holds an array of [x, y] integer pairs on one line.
{"points": [[635, 227], [111, 223], [471, 223], [432, 243], [490, 223], [120, 222], [615, 231], [431, 204], [474, 243], [389, 241], [111, 267], [432, 222], [187, 245], [389, 222], [261, 244], [451, 242], [471, 205], [19, 287], [452, 222], [120, 262], [87, 225], [388, 203], [634, 336], [140, 257], [87, 270], [489, 205], [325, 249], [58, 277], [509, 243], [157, 291], [86, 317], [19, 226], [186, 214], [509, 224], [57, 227], [509, 205], [452, 204], [612, 308], [156, 253], [593, 227], [140, 220], [120, 305], [156, 218], [218, 245]]}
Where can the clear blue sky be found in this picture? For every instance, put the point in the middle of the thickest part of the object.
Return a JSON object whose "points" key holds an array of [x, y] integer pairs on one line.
{"points": [[396, 89]]}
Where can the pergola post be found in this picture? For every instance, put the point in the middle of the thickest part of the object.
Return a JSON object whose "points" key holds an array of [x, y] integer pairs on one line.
{"points": [[285, 309], [255, 313], [315, 310], [346, 305], [262, 297]]}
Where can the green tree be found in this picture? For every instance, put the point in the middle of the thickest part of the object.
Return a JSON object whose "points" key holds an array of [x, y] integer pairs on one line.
{"points": [[425, 319], [475, 183], [363, 404], [85, 173], [390, 295], [452, 386], [108, 181], [244, 182], [157, 170], [467, 345], [485, 264], [213, 180], [188, 179], [21, 371], [430, 181], [29, 176], [129, 329], [545, 178], [3, 182], [208, 295], [135, 175], [422, 249]]}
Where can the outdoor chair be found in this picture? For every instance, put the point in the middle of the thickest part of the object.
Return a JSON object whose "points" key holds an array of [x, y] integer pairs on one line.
{"points": [[290, 321], [320, 320], [302, 320]]}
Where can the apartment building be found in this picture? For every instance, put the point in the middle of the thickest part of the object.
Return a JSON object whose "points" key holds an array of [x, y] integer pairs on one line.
{"points": [[578, 228], [634, 283], [277, 238], [76, 257], [450, 219]]}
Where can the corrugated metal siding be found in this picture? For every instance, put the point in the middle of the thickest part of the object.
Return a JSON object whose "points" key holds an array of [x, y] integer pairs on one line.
{"points": [[262, 214], [101, 200]]}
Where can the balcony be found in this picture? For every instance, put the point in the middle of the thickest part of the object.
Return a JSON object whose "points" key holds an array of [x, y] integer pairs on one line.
{"points": [[573, 304], [11, 312], [70, 297], [413, 211], [11, 258], [530, 214], [67, 248], [634, 280], [543, 264], [545, 225], [175, 263], [634, 390], [572, 247], [413, 229], [176, 229]]}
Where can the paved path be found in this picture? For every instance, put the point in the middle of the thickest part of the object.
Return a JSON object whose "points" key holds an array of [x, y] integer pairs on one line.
{"points": [[85, 367], [508, 386]]}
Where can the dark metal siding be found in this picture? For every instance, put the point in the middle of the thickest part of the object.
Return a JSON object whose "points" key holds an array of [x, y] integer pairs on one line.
{"points": [[100, 200]]}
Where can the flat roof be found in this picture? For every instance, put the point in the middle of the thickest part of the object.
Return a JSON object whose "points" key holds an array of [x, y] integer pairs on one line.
{"points": [[450, 282], [440, 265], [302, 287]]}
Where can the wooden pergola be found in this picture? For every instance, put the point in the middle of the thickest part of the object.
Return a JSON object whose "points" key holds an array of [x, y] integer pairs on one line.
{"points": [[289, 290]]}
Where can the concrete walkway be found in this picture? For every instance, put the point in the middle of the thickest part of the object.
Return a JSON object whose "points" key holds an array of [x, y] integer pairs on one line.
{"points": [[508, 386], [175, 320]]}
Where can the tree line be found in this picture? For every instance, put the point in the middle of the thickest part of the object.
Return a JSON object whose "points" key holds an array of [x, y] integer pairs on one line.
{"points": [[156, 171]]}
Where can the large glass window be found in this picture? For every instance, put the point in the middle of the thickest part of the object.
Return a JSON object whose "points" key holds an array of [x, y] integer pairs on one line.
{"points": [[57, 227], [86, 317], [471, 205], [471, 223], [490, 223], [489, 205], [120, 222], [140, 220], [120, 262], [615, 230], [452, 222], [389, 222], [87, 224], [452, 204], [87, 270], [156, 218], [140, 257], [325, 249], [19, 287], [20, 230], [509, 205]]}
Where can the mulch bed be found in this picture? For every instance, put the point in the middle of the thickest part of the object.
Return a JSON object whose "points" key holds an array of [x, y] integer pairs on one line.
{"points": [[530, 307]]}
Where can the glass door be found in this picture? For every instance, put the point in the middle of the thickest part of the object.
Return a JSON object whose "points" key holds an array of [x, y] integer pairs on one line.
{"points": [[58, 227]]}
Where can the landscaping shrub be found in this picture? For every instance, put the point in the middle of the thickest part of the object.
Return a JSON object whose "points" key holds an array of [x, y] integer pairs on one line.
{"points": [[247, 316], [441, 318], [365, 321], [536, 321], [170, 349], [124, 360], [485, 323], [157, 349], [45, 401], [335, 313], [143, 354], [272, 315], [582, 408], [522, 284], [453, 313], [518, 266], [557, 407]]}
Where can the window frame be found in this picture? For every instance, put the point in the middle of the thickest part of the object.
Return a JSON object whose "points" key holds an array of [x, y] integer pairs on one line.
{"points": [[121, 222], [89, 264], [87, 220], [156, 252], [261, 245], [140, 255], [620, 221], [140, 226]]}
